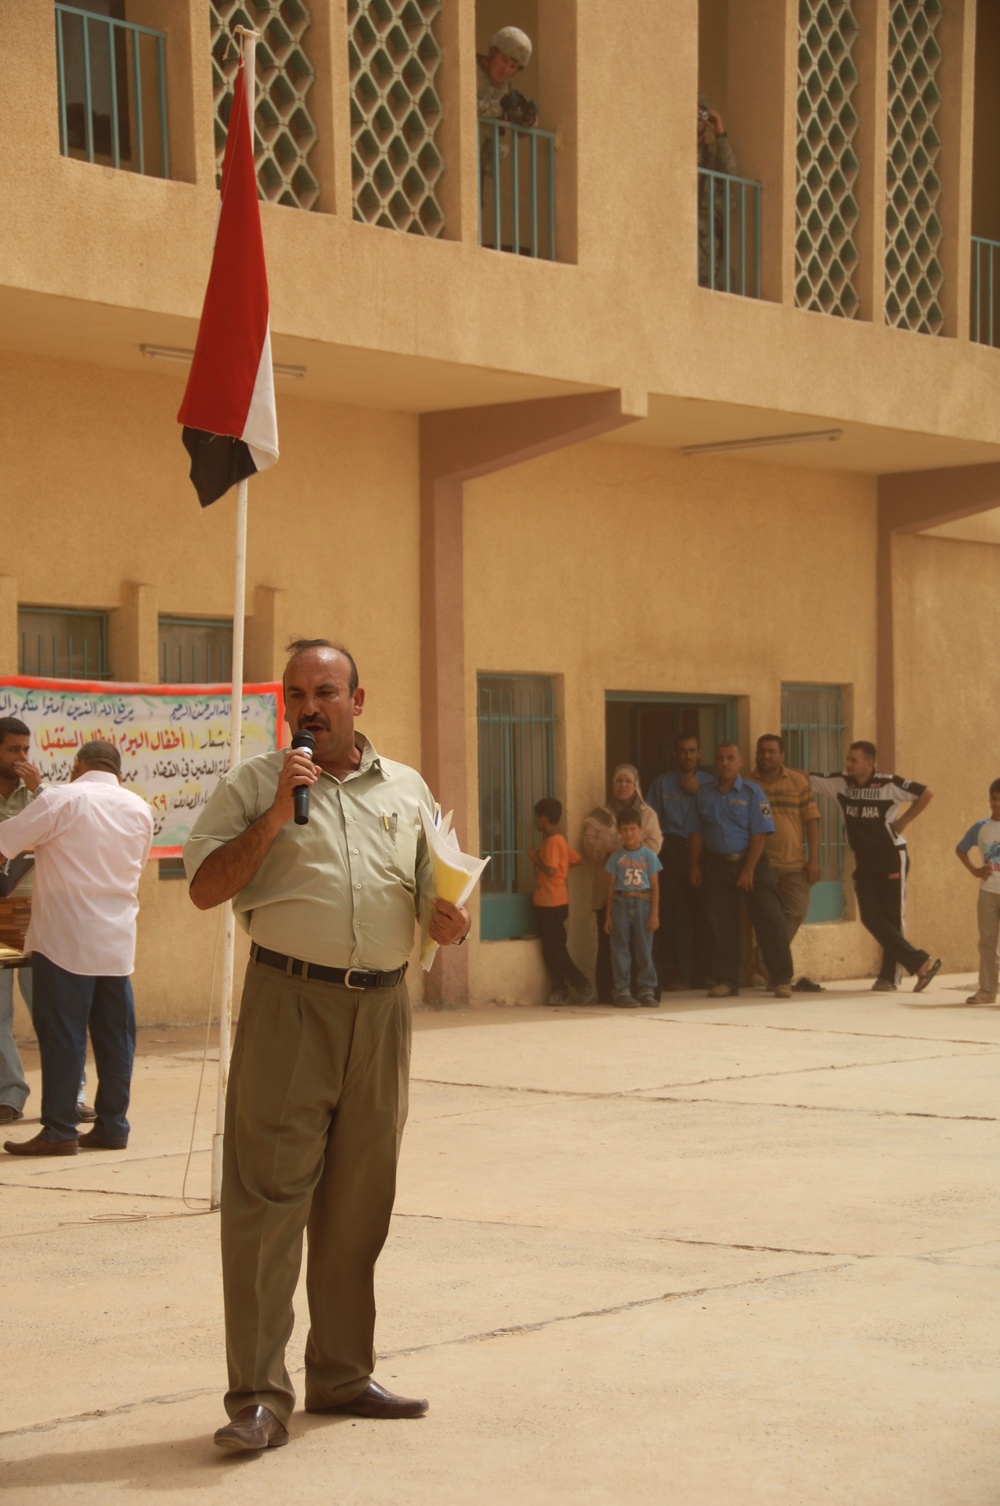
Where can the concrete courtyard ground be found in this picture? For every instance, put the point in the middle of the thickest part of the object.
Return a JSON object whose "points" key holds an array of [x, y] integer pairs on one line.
{"points": [[739, 1251]]}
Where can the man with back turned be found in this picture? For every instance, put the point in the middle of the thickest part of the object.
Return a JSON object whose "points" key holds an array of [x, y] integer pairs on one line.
{"points": [[317, 1095]]}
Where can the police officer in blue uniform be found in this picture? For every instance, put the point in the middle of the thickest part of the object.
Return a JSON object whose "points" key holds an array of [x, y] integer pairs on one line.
{"points": [[726, 847], [672, 797]]}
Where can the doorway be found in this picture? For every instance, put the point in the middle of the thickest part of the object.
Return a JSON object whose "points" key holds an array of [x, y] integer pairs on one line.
{"points": [[640, 728]]}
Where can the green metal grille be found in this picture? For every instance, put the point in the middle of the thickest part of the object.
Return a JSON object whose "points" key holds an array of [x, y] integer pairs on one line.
{"points": [[112, 91], [728, 233], [985, 312], [284, 130], [63, 644], [195, 650], [913, 273], [826, 164], [393, 56], [516, 768], [813, 728], [517, 189]]}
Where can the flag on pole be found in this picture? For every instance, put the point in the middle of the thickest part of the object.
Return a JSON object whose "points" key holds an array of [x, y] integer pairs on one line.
{"points": [[228, 413]]}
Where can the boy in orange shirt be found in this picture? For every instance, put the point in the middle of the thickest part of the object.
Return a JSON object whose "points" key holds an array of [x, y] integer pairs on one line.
{"points": [[551, 903]]}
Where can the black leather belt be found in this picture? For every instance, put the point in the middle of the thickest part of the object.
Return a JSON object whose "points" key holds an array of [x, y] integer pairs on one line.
{"points": [[350, 977], [728, 857]]}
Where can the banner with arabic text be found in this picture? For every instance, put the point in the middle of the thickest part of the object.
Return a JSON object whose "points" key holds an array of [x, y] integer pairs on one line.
{"points": [[173, 739]]}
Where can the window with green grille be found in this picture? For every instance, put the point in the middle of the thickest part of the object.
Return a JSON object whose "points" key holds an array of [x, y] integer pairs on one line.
{"points": [[813, 728], [195, 650], [112, 88], [516, 768], [61, 643]]}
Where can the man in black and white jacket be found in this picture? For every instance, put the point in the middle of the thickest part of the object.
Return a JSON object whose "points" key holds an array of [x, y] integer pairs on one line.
{"points": [[869, 803]]}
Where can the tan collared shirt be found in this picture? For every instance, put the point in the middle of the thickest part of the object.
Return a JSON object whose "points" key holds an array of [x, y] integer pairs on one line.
{"points": [[343, 891], [12, 805], [792, 802]]}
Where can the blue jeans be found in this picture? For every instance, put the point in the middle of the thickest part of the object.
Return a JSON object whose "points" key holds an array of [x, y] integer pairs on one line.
{"points": [[13, 1087], [65, 1005], [631, 943]]}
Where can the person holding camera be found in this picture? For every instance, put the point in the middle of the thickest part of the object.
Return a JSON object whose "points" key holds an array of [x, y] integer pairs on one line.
{"points": [[717, 156]]}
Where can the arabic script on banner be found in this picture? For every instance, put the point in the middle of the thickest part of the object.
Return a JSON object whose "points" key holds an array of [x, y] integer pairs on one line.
{"points": [[173, 740]]}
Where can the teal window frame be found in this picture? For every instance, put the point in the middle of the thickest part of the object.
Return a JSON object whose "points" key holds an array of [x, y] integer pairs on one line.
{"points": [[75, 641], [205, 636], [985, 291], [510, 188], [812, 724], [517, 766], [733, 232], [129, 71]]}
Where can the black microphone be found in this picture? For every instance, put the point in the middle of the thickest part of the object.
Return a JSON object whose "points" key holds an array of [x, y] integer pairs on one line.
{"points": [[300, 794]]}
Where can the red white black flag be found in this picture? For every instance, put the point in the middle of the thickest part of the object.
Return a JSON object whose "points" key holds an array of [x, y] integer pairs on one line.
{"points": [[230, 424]]}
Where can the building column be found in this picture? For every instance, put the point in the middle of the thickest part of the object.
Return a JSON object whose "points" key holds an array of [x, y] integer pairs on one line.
{"points": [[909, 502], [133, 635], [457, 446], [8, 625]]}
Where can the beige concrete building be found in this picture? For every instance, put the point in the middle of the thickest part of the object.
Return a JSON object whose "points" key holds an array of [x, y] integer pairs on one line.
{"points": [[581, 443]]}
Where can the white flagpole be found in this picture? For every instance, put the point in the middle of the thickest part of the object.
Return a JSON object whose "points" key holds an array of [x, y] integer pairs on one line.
{"points": [[235, 729]]}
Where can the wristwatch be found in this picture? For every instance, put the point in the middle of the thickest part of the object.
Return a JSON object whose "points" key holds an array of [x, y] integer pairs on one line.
{"points": [[461, 940]]}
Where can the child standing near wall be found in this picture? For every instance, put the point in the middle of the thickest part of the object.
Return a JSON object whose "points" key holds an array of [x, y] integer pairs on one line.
{"points": [[551, 901], [632, 914], [985, 835]]}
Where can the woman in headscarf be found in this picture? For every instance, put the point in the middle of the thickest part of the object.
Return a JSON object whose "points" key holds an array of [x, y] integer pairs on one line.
{"points": [[600, 839]]}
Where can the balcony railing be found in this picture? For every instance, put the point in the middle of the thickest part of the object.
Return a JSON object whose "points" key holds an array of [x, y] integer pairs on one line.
{"points": [[112, 92], [517, 189], [728, 233], [985, 324]]}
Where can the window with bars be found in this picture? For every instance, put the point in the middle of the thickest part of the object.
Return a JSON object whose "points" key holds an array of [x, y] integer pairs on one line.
{"points": [[112, 88], [195, 650], [192, 651], [393, 56], [813, 728], [913, 270], [285, 131], [61, 643], [517, 738]]}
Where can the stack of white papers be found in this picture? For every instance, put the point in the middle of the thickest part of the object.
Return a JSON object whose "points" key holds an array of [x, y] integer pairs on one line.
{"points": [[454, 873]]}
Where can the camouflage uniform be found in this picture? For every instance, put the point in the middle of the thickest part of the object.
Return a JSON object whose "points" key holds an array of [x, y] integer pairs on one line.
{"points": [[718, 157]]}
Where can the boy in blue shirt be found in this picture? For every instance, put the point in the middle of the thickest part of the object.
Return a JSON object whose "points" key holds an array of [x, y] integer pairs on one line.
{"points": [[632, 914], [985, 835]]}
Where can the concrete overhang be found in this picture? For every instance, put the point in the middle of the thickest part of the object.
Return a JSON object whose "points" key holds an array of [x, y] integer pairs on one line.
{"points": [[106, 335]]}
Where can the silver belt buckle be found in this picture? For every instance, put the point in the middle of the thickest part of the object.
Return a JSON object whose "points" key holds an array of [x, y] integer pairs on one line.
{"points": [[358, 987]]}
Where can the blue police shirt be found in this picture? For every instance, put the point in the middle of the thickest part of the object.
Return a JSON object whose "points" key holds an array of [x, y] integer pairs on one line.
{"points": [[728, 820], [673, 804]]}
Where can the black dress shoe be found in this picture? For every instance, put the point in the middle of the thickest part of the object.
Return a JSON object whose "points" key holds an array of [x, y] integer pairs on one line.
{"points": [[252, 1428], [94, 1140], [39, 1147], [375, 1401]]}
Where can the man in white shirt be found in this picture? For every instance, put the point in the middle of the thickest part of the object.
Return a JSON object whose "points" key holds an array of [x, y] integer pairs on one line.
{"points": [[91, 840]]}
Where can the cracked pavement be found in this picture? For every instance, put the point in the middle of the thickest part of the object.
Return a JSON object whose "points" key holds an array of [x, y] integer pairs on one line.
{"points": [[736, 1251]]}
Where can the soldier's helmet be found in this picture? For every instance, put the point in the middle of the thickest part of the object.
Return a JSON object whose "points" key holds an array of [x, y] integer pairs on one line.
{"points": [[513, 43]]}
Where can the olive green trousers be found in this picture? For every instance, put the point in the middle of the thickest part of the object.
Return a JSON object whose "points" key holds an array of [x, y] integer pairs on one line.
{"points": [[315, 1109]]}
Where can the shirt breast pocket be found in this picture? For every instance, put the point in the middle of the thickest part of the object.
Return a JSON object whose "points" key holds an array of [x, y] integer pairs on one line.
{"points": [[399, 846]]}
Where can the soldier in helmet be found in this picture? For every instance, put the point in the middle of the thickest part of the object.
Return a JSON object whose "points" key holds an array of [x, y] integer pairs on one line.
{"points": [[496, 99], [509, 50]]}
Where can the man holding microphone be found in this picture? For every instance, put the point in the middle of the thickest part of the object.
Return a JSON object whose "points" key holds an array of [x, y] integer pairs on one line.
{"points": [[318, 1087]]}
